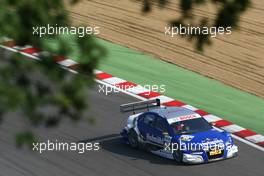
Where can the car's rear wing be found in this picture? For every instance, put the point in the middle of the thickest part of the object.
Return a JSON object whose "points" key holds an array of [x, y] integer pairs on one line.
{"points": [[140, 105]]}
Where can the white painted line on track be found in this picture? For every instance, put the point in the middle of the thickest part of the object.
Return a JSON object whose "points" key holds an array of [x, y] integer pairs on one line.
{"points": [[211, 118], [114, 80], [190, 107], [233, 128], [67, 62], [163, 99]]}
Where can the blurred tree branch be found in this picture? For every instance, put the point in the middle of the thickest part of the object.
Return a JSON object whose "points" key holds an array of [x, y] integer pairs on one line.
{"points": [[228, 14], [44, 93]]}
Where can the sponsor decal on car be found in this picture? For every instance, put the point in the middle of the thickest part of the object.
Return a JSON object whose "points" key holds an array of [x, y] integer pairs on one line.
{"points": [[157, 140], [186, 137], [183, 118]]}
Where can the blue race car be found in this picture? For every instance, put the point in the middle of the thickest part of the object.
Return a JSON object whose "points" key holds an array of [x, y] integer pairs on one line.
{"points": [[176, 133]]}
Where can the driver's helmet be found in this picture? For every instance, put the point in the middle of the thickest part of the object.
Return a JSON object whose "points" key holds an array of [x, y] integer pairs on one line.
{"points": [[179, 127]]}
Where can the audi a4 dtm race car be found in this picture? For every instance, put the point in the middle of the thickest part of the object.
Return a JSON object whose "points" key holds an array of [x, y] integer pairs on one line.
{"points": [[176, 133]]}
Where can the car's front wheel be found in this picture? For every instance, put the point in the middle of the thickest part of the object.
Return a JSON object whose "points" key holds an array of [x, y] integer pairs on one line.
{"points": [[133, 139], [177, 155]]}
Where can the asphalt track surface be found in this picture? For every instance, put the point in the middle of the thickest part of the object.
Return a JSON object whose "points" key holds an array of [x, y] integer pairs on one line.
{"points": [[114, 157]]}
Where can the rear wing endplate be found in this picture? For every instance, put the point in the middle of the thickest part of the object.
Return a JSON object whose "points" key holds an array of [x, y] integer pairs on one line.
{"points": [[140, 105]]}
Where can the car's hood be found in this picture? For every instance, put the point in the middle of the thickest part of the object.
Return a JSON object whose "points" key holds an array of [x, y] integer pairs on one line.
{"points": [[211, 136]]}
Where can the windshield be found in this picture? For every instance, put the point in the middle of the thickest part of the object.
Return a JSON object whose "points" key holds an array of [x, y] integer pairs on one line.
{"points": [[191, 126]]}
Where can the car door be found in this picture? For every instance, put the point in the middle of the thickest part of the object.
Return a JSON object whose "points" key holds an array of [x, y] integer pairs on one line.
{"points": [[160, 131], [155, 130], [163, 130], [145, 123]]}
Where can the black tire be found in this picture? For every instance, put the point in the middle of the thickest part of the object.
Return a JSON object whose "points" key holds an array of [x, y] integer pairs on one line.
{"points": [[133, 139], [177, 155]]}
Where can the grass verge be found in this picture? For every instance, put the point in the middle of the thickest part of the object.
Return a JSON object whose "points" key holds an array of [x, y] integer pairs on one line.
{"points": [[229, 103]]}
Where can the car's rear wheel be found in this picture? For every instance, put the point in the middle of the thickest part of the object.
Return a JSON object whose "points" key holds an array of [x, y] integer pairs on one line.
{"points": [[133, 139]]}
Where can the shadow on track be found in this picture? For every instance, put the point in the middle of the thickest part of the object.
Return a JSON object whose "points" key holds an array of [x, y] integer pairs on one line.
{"points": [[113, 143]]}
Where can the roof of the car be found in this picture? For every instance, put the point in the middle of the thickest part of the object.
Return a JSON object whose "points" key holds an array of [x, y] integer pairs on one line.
{"points": [[173, 112]]}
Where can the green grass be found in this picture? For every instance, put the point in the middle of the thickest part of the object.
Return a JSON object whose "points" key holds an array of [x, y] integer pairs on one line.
{"points": [[229, 103]]}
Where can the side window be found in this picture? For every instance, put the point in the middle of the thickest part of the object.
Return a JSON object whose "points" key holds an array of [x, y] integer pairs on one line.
{"points": [[149, 119], [160, 125]]}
